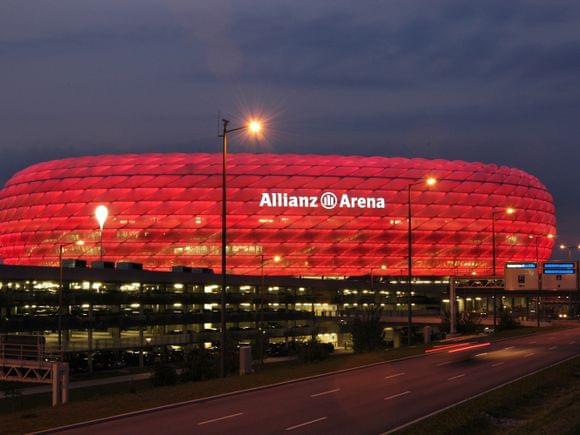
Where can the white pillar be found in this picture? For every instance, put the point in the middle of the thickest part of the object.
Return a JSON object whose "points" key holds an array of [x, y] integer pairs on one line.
{"points": [[55, 369], [64, 381]]}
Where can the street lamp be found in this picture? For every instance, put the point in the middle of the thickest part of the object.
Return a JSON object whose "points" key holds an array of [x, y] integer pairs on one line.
{"points": [[383, 267], [254, 127], [538, 296], [275, 259], [494, 212], [570, 248], [429, 182], [101, 214], [60, 291]]}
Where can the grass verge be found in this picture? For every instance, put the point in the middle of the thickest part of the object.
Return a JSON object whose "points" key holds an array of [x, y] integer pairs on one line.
{"points": [[30, 413], [545, 403]]}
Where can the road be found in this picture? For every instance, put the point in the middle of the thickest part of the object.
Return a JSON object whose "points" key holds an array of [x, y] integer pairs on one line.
{"points": [[371, 400]]}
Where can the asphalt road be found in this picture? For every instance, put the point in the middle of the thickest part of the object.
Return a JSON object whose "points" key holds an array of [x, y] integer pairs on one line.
{"points": [[371, 400]]}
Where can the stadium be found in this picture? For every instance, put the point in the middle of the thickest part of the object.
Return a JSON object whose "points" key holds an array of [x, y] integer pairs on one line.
{"points": [[318, 215]]}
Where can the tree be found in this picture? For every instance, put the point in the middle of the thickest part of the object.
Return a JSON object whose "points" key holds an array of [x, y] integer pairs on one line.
{"points": [[164, 374], [368, 333]]}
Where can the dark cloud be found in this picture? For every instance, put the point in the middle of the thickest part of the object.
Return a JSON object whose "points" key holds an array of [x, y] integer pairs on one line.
{"points": [[492, 81]]}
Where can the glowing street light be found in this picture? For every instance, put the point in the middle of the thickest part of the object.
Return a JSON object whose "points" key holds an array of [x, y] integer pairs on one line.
{"points": [[253, 127], [570, 248], [60, 291], [494, 212], [101, 214], [429, 182], [262, 339]]}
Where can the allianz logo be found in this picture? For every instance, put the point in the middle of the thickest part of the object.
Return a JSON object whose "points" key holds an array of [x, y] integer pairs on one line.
{"points": [[326, 200]]}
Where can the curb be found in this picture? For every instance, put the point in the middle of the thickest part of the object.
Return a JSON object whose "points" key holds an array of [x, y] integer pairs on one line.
{"points": [[248, 390], [217, 396], [453, 405]]}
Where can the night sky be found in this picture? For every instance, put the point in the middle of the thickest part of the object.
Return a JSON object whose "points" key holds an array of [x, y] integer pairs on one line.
{"points": [[489, 81]]}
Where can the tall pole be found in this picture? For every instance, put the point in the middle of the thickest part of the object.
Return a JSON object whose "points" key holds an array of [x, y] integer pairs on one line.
{"points": [[60, 302], [539, 281], [224, 241], [409, 265], [261, 320], [101, 245], [493, 267]]}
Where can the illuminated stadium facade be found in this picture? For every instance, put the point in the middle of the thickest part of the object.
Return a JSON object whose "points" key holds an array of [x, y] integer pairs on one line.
{"points": [[320, 215]]}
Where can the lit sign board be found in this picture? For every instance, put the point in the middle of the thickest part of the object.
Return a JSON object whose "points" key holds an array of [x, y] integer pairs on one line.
{"points": [[521, 276], [520, 265], [561, 275], [559, 268], [326, 200]]}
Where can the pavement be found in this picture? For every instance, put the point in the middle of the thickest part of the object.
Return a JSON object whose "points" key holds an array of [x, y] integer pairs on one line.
{"points": [[372, 400]]}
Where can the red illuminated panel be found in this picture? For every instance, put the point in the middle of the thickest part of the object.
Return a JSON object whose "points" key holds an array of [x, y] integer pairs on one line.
{"points": [[165, 210]]}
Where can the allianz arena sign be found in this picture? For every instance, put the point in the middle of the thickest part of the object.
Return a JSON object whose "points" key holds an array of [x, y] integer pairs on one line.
{"points": [[326, 200]]}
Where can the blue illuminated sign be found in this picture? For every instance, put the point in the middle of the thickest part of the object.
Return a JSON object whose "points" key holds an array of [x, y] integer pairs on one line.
{"points": [[559, 268], [521, 265], [559, 265]]}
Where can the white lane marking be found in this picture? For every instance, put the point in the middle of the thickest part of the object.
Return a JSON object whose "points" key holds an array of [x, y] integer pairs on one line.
{"points": [[394, 376], [453, 405], [325, 392], [533, 342], [306, 423], [552, 348], [481, 354], [497, 364], [443, 363], [456, 377], [508, 348], [219, 419], [572, 342], [529, 354], [394, 396]]}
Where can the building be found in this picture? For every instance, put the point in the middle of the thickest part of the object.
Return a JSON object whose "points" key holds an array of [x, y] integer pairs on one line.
{"points": [[318, 215], [312, 240]]}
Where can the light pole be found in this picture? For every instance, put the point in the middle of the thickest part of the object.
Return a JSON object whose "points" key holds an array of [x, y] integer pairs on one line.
{"points": [[570, 248], [383, 267], [429, 182], [494, 212], [101, 214], [539, 295], [261, 331], [60, 291], [254, 127]]}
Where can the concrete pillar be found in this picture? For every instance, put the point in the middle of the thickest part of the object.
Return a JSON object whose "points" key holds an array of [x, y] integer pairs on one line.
{"points": [[427, 335], [396, 339], [64, 382], [245, 360], [55, 369]]}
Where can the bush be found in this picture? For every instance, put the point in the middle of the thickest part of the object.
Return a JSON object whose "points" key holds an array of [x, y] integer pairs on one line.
{"points": [[368, 333], [164, 374], [506, 321], [313, 350], [200, 366], [469, 323]]}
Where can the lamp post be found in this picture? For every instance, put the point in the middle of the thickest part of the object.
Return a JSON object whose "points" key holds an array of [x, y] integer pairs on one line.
{"points": [[60, 291], [383, 267], [275, 259], [254, 127], [101, 214], [430, 181], [494, 212], [570, 248]]}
